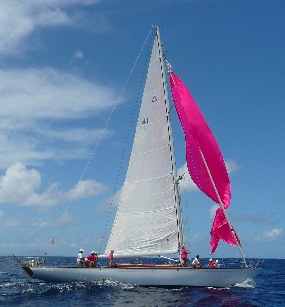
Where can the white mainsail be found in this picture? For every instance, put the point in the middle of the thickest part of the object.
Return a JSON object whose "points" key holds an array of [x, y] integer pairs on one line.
{"points": [[148, 220]]}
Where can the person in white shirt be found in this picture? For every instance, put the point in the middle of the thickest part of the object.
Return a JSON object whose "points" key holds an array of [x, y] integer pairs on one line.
{"points": [[80, 258], [196, 263], [217, 265]]}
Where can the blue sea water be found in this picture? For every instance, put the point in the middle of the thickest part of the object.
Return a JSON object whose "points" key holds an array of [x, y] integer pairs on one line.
{"points": [[18, 289]]}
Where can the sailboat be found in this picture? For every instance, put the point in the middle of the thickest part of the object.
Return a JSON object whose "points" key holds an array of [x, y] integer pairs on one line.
{"points": [[148, 221]]}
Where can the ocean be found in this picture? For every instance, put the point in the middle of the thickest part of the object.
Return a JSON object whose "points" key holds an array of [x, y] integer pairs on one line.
{"points": [[18, 289]]}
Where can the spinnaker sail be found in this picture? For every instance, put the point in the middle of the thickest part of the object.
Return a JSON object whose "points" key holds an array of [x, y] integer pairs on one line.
{"points": [[204, 159], [221, 230], [199, 137]]}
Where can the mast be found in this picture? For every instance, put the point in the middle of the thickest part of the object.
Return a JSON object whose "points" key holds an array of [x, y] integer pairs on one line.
{"points": [[174, 173]]}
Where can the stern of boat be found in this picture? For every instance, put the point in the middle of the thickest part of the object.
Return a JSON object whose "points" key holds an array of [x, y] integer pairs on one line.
{"points": [[28, 262]]}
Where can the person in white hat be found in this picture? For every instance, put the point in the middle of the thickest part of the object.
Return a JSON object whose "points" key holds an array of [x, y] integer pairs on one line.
{"points": [[80, 258], [211, 264], [217, 265], [91, 260]]}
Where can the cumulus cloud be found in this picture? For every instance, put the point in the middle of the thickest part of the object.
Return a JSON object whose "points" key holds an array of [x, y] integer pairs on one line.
{"points": [[87, 187], [27, 182], [46, 93], [31, 98], [18, 19], [272, 235], [18, 178]]}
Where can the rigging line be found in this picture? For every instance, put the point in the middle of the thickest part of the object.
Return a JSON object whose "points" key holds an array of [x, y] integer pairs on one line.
{"points": [[186, 221], [100, 137], [194, 202], [127, 139], [201, 224]]}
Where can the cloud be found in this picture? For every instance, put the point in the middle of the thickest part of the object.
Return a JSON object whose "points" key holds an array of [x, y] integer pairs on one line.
{"points": [[46, 93], [110, 202], [40, 223], [255, 219], [52, 224], [34, 100], [87, 188], [31, 98], [17, 178], [15, 223], [78, 55], [187, 184], [212, 213], [1, 213], [26, 182], [232, 166], [269, 236], [18, 19]]}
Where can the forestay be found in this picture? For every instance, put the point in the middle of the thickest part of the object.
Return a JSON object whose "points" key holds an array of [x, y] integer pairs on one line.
{"points": [[147, 220]]}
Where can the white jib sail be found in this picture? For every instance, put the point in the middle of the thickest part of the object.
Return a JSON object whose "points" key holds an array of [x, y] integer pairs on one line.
{"points": [[146, 222]]}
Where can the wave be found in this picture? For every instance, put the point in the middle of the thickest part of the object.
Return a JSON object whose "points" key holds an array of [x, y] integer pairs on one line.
{"points": [[248, 283]]}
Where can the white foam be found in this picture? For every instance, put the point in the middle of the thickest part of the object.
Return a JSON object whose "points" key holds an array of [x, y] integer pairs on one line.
{"points": [[248, 283]]}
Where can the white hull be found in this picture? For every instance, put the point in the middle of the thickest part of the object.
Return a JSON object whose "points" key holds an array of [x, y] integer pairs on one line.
{"points": [[160, 277]]}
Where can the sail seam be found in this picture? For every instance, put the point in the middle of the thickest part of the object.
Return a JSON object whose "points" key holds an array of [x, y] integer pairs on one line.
{"points": [[145, 180], [151, 93], [146, 152], [149, 211]]}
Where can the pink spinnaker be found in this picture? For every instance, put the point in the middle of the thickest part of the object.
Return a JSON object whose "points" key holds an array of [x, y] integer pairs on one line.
{"points": [[221, 230], [198, 138]]}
